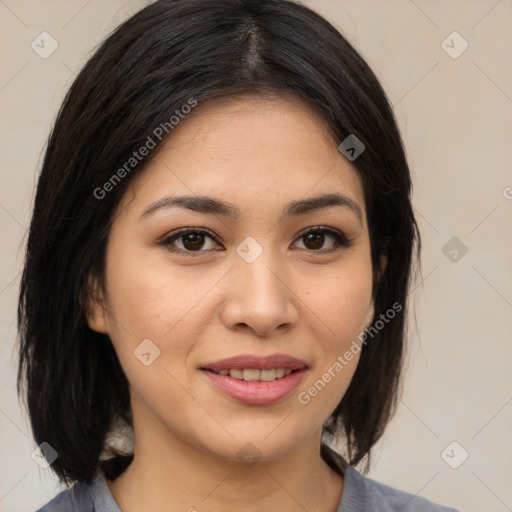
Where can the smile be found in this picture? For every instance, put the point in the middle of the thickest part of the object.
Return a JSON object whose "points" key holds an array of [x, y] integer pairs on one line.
{"points": [[256, 375], [255, 379]]}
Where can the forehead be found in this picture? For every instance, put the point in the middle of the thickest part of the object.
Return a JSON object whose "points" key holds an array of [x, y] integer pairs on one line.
{"points": [[252, 151]]}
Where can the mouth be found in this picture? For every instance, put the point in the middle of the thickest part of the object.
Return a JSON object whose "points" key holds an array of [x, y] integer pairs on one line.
{"points": [[252, 363], [256, 380], [254, 375]]}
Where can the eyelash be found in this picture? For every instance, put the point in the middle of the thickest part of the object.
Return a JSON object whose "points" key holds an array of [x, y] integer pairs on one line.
{"points": [[340, 240]]}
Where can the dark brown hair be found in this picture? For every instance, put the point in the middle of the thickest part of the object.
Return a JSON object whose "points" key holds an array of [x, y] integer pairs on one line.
{"points": [[151, 65]]}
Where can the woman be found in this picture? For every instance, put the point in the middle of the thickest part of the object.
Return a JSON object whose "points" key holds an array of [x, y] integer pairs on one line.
{"points": [[219, 259]]}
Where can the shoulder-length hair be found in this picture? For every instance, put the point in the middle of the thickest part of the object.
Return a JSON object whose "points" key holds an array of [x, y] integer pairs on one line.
{"points": [[154, 63]]}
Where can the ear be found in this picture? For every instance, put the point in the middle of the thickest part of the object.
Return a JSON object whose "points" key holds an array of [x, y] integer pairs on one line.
{"points": [[95, 310], [369, 316], [383, 264], [371, 311]]}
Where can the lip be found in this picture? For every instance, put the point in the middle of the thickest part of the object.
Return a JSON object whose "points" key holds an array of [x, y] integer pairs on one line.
{"points": [[256, 392], [244, 361]]}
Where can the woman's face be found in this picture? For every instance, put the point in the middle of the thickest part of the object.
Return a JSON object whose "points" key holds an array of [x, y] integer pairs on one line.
{"points": [[274, 288]]}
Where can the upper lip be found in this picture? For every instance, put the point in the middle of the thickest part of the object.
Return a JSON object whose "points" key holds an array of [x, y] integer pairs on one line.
{"points": [[248, 361]]}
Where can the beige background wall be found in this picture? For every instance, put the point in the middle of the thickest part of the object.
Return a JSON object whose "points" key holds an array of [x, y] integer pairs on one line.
{"points": [[456, 118]]}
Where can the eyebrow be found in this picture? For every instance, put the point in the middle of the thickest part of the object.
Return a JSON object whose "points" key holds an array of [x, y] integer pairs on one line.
{"points": [[211, 205]]}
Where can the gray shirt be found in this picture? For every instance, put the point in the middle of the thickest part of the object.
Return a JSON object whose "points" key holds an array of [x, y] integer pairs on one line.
{"points": [[360, 494]]}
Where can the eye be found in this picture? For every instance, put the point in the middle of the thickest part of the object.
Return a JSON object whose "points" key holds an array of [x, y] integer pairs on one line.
{"points": [[192, 240], [315, 238]]}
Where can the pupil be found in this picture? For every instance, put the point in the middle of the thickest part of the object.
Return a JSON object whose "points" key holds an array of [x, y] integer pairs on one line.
{"points": [[311, 237], [197, 241]]}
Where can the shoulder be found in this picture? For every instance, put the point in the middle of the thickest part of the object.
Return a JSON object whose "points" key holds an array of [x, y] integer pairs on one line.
{"points": [[80, 498], [366, 494]]}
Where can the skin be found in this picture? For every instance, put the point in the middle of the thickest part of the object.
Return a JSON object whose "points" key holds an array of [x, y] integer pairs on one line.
{"points": [[295, 298]]}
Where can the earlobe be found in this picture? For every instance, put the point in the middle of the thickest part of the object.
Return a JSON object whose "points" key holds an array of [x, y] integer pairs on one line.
{"points": [[383, 263], [371, 311], [369, 316], [95, 311]]}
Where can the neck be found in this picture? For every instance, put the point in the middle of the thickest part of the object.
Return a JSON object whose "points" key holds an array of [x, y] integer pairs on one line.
{"points": [[169, 474]]}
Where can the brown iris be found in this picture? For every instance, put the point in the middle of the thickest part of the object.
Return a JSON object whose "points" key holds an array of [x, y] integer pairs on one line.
{"points": [[316, 238], [193, 241]]}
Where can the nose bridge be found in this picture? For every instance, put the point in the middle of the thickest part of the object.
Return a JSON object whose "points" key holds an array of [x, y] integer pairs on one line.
{"points": [[258, 266], [261, 298]]}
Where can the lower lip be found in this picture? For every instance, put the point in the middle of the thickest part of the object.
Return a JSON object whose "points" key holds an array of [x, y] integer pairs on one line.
{"points": [[256, 392]]}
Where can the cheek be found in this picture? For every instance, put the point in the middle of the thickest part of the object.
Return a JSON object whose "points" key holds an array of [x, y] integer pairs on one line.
{"points": [[344, 299], [151, 299], [341, 302], [145, 294], [342, 308]]}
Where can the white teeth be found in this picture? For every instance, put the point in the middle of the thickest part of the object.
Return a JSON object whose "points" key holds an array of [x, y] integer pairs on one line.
{"points": [[251, 374], [267, 375], [236, 374]]}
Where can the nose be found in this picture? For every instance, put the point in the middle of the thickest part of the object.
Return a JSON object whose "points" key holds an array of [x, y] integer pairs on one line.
{"points": [[260, 296]]}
